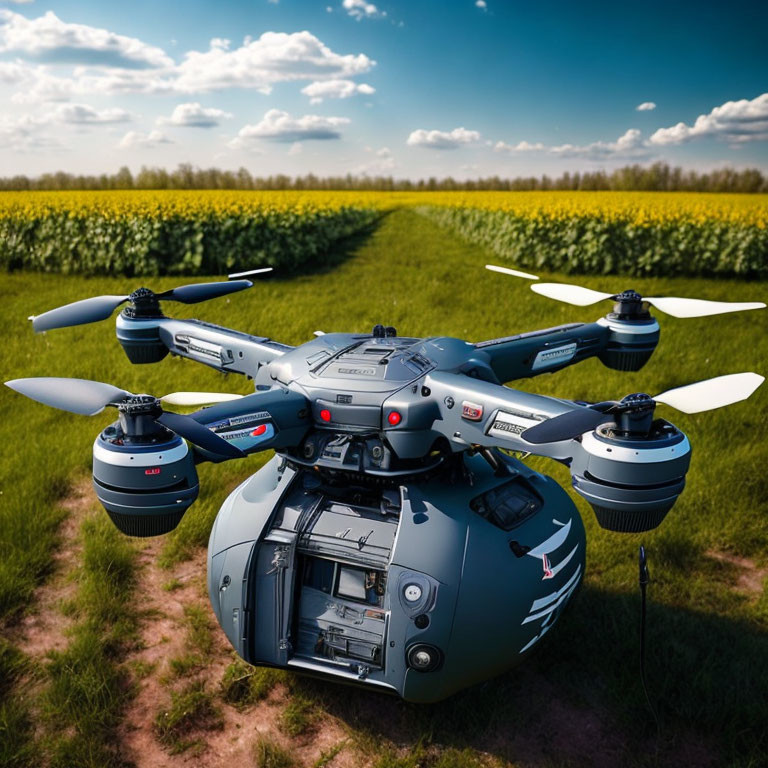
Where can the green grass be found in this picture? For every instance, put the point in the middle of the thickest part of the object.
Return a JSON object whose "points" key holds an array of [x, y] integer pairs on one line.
{"points": [[327, 755], [243, 685], [269, 754], [86, 688], [16, 748], [298, 715], [198, 642], [192, 709], [708, 642]]}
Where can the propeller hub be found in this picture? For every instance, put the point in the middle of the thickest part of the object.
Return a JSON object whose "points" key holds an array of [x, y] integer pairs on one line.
{"points": [[629, 306], [634, 415], [136, 404], [137, 418], [638, 401], [628, 295], [144, 303]]}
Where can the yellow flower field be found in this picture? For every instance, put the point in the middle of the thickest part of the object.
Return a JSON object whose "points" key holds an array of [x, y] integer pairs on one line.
{"points": [[640, 208], [210, 231]]}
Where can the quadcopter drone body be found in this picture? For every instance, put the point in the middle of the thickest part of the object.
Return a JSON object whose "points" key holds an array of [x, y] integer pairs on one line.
{"points": [[391, 541]]}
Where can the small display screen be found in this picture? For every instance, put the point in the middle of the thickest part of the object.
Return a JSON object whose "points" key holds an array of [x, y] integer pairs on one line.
{"points": [[351, 583], [361, 585]]}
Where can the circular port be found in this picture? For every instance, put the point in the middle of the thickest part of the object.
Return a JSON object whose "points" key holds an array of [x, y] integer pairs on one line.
{"points": [[421, 621], [424, 658], [412, 593]]}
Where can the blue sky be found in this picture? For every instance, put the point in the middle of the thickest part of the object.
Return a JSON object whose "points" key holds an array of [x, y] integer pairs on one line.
{"points": [[461, 87]]}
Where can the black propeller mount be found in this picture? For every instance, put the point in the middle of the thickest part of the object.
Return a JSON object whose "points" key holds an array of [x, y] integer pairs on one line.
{"points": [[629, 305], [634, 414], [143, 303], [631, 417], [143, 419], [138, 417]]}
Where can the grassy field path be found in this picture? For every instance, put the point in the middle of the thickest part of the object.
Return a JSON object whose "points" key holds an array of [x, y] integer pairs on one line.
{"points": [[136, 672]]}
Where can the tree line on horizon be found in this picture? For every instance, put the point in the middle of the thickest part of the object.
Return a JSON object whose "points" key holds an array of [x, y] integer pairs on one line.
{"points": [[658, 177]]}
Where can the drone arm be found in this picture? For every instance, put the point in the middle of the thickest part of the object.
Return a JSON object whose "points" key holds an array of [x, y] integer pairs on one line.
{"points": [[619, 345], [150, 339], [474, 412], [272, 419]]}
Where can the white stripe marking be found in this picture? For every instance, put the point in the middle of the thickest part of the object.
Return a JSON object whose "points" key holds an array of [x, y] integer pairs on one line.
{"points": [[552, 543], [542, 601], [554, 605]]}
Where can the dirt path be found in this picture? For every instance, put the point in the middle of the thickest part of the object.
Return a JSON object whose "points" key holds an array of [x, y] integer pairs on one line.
{"points": [[163, 638], [747, 577], [46, 627]]}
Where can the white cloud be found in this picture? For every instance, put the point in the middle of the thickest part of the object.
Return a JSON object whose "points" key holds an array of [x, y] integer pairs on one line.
{"points": [[13, 72], [296, 148], [523, 146], [275, 57], [481, 4], [30, 132], [49, 38], [136, 139], [83, 114], [335, 89], [193, 114], [41, 85], [26, 134], [630, 144], [442, 139], [277, 125], [359, 9], [646, 106], [734, 121], [257, 64], [627, 144]]}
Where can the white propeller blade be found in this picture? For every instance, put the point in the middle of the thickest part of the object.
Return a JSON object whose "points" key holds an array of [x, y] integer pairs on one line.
{"points": [[670, 305], [570, 294], [198, 398], [238, 275], [513, 272], [711, 393], [676, 307]]}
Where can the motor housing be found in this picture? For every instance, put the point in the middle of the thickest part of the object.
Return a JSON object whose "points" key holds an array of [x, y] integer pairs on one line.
{"points": [[631, 481], [138, 331], [632, 341], [145, 488]]}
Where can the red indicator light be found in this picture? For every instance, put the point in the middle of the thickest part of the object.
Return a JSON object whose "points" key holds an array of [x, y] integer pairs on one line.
{"points": [[260, 430], [153, 471], [325, 414], [394, 418]]}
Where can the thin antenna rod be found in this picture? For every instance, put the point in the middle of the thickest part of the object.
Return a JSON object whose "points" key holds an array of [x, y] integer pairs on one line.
{"points": [[644, 579]]}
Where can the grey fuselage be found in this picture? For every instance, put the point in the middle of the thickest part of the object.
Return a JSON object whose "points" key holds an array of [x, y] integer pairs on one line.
{"points": [[391, 542]]}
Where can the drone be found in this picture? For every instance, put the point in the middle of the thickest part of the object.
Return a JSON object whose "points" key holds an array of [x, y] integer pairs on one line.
{"points": [[396, 540]]}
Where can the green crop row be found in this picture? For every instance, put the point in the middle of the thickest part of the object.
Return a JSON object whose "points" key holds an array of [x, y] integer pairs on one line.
{"points": [[205, 243], [597, 245]]}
